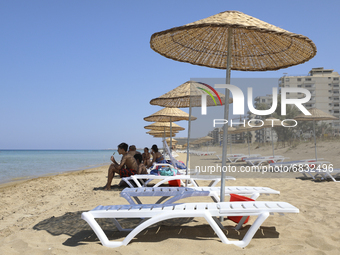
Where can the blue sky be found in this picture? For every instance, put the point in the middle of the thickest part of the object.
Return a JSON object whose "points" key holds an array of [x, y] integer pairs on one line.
{"points": [[80, 74]]}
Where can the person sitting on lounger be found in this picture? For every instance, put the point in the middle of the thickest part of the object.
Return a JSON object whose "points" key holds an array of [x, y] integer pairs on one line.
{"points": [[157, 157], [127, 167], [141, 167], [146, 156], [133, 150]]}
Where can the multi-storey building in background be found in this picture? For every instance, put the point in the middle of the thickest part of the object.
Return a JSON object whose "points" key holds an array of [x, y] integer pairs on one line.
{"points": [[323, 85]]}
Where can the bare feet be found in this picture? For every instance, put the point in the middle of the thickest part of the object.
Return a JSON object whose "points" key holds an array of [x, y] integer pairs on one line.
{"points": [[107, 187]]}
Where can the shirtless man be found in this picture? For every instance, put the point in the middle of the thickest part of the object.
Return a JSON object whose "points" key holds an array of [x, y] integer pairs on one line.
{"points": [[133, 150], [128, 165]]}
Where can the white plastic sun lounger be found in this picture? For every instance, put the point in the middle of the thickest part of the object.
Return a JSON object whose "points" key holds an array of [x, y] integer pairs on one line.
{"points": [[178, 193], [159, 212], [138, 179], [257, 161], [232, 158], [291, 164]]}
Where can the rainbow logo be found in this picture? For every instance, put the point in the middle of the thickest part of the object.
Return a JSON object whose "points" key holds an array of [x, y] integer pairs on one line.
{"points": [[208, 92]]}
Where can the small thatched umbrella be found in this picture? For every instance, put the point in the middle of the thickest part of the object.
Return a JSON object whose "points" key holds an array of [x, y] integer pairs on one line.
{"points": [[161, 126], [168, 115], [162, 135], [165, 133], [232, 40], [316, 115], [168, 140]]}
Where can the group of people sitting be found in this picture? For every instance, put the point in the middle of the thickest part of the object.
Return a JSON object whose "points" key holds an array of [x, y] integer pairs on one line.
{"points": [[132, 162]]}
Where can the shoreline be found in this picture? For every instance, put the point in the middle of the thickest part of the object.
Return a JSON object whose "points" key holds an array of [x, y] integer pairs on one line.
{"points": [[20, 180]]}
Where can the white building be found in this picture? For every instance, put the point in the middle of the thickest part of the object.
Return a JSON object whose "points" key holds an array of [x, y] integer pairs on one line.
{"points": [[323, 85]]}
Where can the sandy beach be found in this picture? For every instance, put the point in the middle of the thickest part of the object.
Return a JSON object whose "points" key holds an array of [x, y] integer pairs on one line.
{"points": [[42, 215]]}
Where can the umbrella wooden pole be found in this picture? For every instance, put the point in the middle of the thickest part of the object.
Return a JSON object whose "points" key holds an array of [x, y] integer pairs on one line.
{"points": [[170, 136], [226, 117], [189, 128], [248, 144], [316, 154], [271, 132]]}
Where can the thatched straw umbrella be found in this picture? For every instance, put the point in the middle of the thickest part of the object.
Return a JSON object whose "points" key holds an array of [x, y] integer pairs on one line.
{"points": [[316, 115], [161, 126], [168, 115], [162, 135], [232, 40]]}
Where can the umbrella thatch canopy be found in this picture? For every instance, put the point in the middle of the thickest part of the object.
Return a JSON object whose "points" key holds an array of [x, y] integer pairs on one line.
{"points": [[157, 132], [257, 45], [173, 140], [316, 115], [164, 125], [189, 94], [169, 114], [232, 40], [230, 130], [162, 135]]}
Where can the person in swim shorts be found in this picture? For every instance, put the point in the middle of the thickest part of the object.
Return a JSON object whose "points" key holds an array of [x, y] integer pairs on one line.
{"points": [[127, 167]]}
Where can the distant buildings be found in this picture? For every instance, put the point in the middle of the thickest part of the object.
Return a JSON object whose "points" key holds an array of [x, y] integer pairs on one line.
{"points": [[323, 85]]}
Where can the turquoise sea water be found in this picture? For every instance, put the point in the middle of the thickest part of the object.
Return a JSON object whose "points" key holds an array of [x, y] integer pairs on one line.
{"points": [[26, 164]]}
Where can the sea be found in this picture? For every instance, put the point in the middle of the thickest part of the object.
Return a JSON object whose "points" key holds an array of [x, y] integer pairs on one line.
{"points": [[16, 165]]}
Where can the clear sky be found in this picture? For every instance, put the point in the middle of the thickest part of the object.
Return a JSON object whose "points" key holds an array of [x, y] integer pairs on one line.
{"points": [[80, 74]]}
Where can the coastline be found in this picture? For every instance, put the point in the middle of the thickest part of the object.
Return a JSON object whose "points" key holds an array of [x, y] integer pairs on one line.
{"points": [[17, 180]]}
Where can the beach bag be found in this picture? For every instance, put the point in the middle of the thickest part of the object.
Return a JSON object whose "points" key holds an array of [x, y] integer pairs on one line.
{"points": [[167, 171]]}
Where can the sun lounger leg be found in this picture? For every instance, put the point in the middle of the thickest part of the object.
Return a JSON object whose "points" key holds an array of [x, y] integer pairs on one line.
{"points": [[162, 199], [119, 227], [239, 225], [252, 230], [255, 196], [87, 216], [330, 176]]}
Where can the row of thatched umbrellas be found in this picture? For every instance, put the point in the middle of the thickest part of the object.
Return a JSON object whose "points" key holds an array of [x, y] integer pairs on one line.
{"points": [[232, 40]]}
